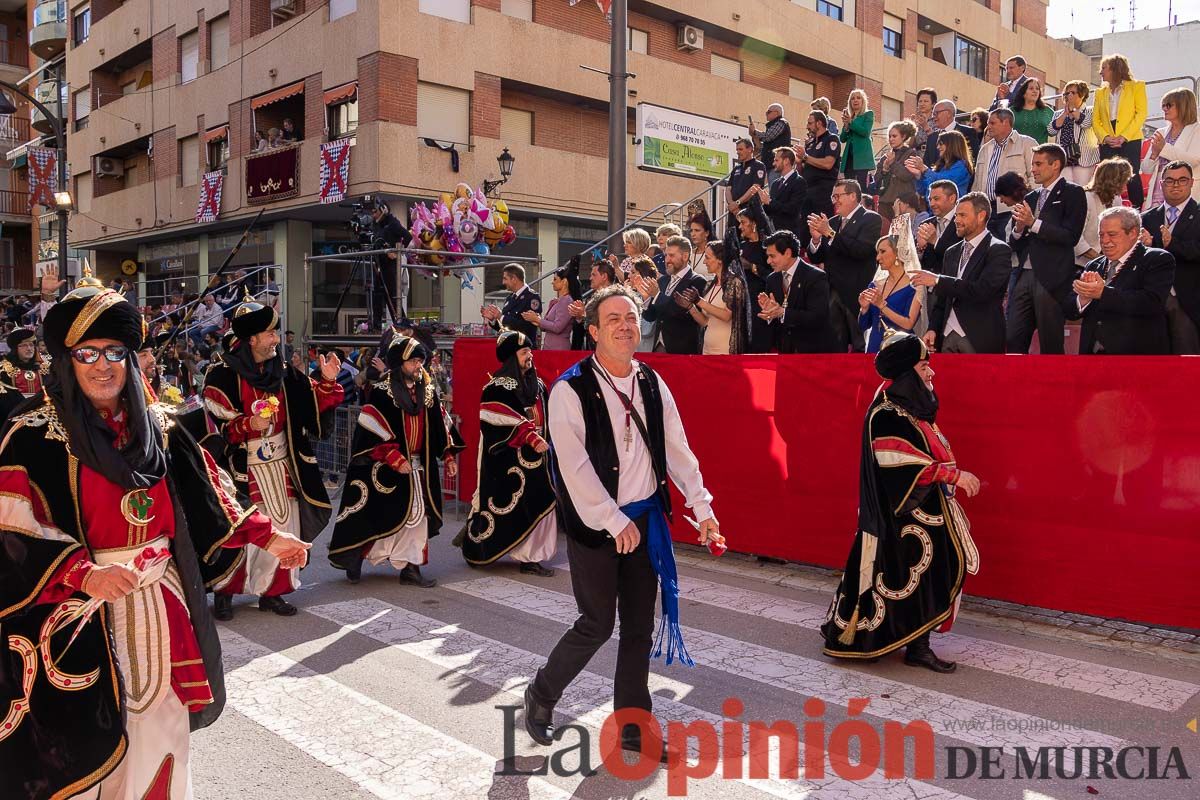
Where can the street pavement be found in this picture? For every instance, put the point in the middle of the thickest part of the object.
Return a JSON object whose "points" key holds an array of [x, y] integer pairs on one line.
{"points": [[387, 691]]}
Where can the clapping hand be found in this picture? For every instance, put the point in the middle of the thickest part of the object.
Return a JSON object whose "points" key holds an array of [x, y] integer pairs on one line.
{"points": [[531, 316], [1089, 286], [576, 309], [686, 298], [1157, 140], [771, 309], [866, 298], [915, 165], [1023, 216], [926, 234], [1146, 238], [329, 366], [818, 225], [1166, 236]]}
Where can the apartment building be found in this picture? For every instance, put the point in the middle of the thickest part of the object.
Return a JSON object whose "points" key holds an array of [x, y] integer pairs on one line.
{"points": [[162, 91], [17, 224]]}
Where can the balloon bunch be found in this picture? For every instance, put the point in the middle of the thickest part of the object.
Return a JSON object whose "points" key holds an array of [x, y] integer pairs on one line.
{"points": [[462, 225]]}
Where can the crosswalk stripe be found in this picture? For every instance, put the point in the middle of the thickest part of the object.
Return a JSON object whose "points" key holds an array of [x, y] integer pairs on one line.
{"points": [[508, 669], [1114, 683], [387, 753], [959, 718]]}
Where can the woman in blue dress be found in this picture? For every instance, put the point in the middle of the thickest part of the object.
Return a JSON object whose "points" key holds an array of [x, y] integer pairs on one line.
{"points": [[891, 300]]}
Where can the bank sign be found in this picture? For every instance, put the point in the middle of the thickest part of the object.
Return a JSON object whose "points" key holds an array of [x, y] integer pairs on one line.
{"points": [[685, 144]]}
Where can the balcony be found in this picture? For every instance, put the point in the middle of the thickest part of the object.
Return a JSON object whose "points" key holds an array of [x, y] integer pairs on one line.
{"points": [[14, 53], [14, 130], [48, 37], [47, 94], [13, 203]]}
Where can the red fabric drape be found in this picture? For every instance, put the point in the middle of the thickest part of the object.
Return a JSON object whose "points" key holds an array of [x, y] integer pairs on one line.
{"points": [[1090, 466]]}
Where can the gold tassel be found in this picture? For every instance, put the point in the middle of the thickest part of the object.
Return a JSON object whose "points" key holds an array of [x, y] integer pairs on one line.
{"points": [[847, 637]]}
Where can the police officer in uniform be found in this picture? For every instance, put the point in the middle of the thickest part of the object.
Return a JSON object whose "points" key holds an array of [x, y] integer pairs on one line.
{"points": [[522, 299], [818, 160], [747, 173], [392, 233]]}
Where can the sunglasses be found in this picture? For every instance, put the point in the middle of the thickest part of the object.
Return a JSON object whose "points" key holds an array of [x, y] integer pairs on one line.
{"points": [[1168, 105], [114, 353]]}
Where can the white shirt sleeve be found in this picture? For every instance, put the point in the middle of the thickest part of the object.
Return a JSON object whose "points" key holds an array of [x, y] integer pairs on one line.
{"points": [[1036, 227], [682, 466], [595, 506]]}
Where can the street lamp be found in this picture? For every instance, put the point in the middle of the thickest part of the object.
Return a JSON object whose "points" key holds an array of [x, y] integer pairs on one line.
{"points": [[7, 106], [506, 161]]}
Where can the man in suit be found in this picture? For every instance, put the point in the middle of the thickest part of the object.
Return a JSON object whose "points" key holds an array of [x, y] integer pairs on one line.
{"points": [[967, 314], [784, 202], [944, 114], [522, 299], [845, 245], [936, 236], [1174, 226], [674, 329], [1122, 295], [1014, 80], [796, 303], [1046, 228]]}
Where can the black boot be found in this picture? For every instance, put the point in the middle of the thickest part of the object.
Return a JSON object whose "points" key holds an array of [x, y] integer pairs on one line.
{"points": [[277, 604], [223, 607], [631, 740], [538, 720], [534, 568], [411, 575], [920, 654], [354, 571]]}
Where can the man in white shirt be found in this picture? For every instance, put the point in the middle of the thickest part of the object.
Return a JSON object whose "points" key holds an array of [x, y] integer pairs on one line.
{"points": [[616, 438], [208, 319]]}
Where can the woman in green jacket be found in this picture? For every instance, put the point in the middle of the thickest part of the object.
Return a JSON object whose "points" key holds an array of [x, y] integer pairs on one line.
{"points": [[858, 156]]}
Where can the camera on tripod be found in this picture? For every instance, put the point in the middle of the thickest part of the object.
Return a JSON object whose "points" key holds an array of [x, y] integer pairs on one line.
{"points": [[361, 223]]}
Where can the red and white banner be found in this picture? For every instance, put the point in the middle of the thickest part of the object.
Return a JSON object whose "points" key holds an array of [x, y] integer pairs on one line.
{"points": [[43, 176], [605, 7], [335, 170], [209, 207]]}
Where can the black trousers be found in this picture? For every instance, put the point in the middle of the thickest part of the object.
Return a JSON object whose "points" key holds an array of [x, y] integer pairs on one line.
{"points": [[1031, 307], [1131, 152], [846, 333], [607, 585]]}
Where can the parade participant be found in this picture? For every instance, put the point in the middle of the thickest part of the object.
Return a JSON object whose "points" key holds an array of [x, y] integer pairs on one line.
{"points": [[392, 500], [21, 370], [522, 299], [905, 572], [512, 512], [109, 512], [266, 411], [616, 437]]}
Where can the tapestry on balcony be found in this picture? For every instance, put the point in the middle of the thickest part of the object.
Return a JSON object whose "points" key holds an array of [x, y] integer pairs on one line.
{"points": [[43, 176], [335, 170], [209, 206], [273, 175]]}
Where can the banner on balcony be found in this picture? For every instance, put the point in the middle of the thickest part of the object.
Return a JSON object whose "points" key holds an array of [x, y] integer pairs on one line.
{"points": [[273, 175], [335, 170], [43, 176], [209, 207], [605, 7]]}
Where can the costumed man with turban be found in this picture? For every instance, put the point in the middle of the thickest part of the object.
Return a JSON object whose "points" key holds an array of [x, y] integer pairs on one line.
{"points": [[904, 576], [266, 411], [512, 513], [109, 513], [21, 370], [392, 500]]}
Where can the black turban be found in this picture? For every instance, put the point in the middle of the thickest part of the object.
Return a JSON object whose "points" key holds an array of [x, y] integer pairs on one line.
{"points": [[101, 315], [18, 336], [402, 348], [252, 317], [899, 354], [508, 343]]}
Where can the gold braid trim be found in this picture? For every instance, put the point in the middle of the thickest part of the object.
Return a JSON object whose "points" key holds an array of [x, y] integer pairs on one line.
{"points": [[90, 313]]}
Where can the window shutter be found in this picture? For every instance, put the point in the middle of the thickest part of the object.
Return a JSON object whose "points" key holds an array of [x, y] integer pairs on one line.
{"points": [[516, 126], [189, 161], [726, 68], [218, 42], [521, 9], [457, 10], [801, 90], [340, 8], [443, 113], [83, 103], [189, 57]]}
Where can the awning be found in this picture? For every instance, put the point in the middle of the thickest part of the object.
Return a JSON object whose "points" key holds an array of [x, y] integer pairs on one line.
{"points": [[283, 93], [341, 93], [216, 134]]}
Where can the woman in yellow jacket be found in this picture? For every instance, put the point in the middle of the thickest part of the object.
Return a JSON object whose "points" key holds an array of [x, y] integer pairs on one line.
{"points": [[1118, 117]]}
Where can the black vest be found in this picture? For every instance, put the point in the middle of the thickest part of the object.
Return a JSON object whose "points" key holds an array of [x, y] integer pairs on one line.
{"points": [[602, 448]]}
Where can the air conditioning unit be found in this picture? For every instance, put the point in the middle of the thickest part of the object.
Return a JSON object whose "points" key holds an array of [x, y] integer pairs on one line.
{"points": [[690, 38], [108, 167]]}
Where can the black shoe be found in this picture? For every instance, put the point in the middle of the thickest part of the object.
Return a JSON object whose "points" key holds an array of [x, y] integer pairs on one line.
{"points": [[538, 720], [354, 572], [534, 568], [277, 604], [223, 607], [411, 575], [920, 654], [632, 742]]}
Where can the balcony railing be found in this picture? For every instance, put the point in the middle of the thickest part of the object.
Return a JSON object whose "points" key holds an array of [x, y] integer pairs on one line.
{"points": [[14, 202], [14, 52], [14, 128]]}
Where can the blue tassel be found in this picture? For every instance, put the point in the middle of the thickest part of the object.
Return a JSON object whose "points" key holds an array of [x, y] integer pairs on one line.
{"points": [[662, 559]]}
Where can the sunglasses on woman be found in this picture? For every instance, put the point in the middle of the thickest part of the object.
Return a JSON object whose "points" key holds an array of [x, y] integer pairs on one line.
{"points": [[114, 353]]}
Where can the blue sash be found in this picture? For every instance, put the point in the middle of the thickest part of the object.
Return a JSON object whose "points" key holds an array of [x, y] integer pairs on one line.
{"points": [[662, 559]]}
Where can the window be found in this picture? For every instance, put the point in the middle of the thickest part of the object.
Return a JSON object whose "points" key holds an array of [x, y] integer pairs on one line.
{"points": [[891, 110], [516, 126], [801, 90], [893, 35], [83, 107], [970, 57], [343, 118], [340, 8], [217, 155], [129, 88], [830, 9], [81, 25], [83, 192], [457, 10], [639, 41], [6, 253], [726, 68], [189, 57], [189, 161], [218, 42], [521, 9], [923, 49], [443, 113]]}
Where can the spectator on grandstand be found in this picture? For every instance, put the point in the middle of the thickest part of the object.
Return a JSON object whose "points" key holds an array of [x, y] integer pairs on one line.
{"points": [[892, 176], [700, 233], [637, 242], [945, 116], [1178, 140], [778, 133], [1118, 117], [1010, 87], [858, 120], [1103, 192], [912, 204], [953, 164], [823, 105], [1071, 129], [1031, 115], [1006, 151], [661, 235], [923, 118]]}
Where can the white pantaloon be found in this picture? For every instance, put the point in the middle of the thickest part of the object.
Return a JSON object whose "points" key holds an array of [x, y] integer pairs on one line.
{"points": [[541, 544]]}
